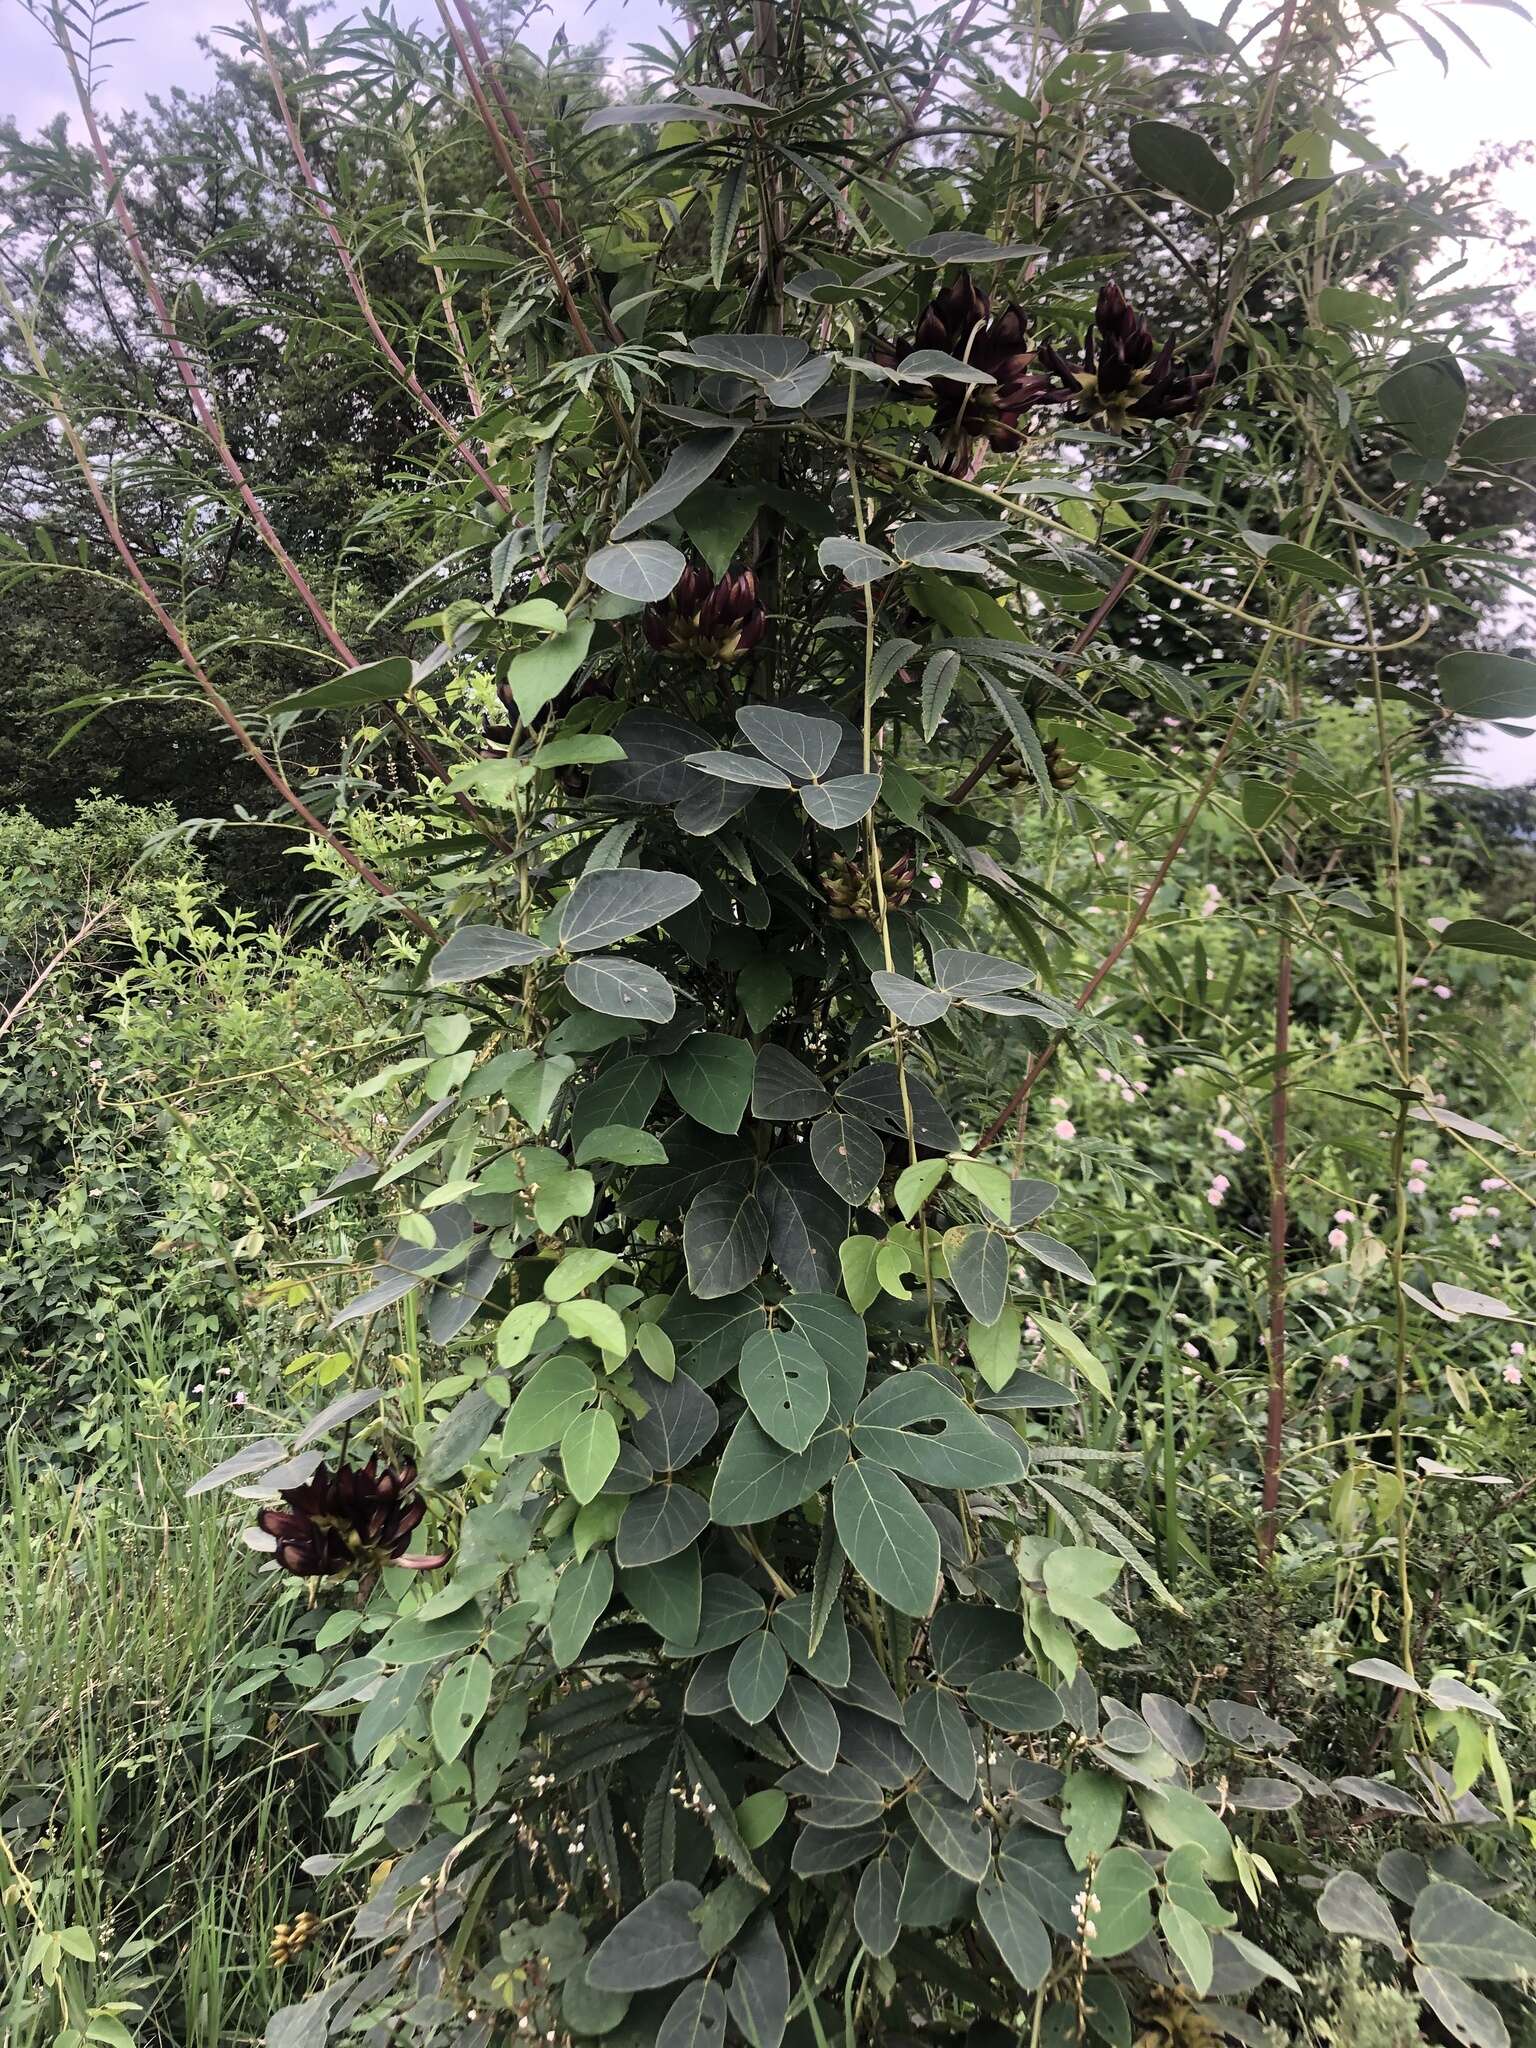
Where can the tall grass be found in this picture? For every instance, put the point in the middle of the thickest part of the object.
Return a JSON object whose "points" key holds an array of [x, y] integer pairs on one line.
{"points": [[142, 1799]]}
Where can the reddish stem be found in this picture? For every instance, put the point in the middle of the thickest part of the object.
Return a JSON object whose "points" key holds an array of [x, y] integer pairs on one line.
{"points": [[458, 442]]}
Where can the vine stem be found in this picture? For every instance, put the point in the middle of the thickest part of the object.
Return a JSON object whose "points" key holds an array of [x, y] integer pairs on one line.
{"points": [[877, 882]]}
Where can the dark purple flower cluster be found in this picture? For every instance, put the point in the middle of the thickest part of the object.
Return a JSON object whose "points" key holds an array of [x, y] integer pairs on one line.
{"points": [[350, 1522], [713, 621], [1121, 376], [959, 321], [1122, 373]]}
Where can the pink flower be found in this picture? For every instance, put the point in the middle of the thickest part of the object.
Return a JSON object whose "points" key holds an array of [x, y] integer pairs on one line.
{"points": [[1494, 1239], [1495, 1180], [239, 1397], [1137, 1039], [1189, 1351], [1065, 1128], [1127, 1094], [1517, 1350], [1441, 991], [1215, 1197], [1340, 1358], [1338, 1239], [1220, 1181], [1513, 1376], [1416, 1186], [1419, 1165], [1343, 1215], [1419, 981]]}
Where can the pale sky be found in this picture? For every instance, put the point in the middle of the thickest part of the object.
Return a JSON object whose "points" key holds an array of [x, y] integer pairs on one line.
{"points": [[1438, 123]]}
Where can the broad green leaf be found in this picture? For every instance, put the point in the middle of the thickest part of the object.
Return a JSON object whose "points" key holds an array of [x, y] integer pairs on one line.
{"points": [[1484, 935], [690, 465], [809, 1723], [758, 1672], [1425, 400], [615, 987], [1091, 1804], [914, 1184], [1504, 441], [598, 1324], [1455, 1931], [977, 1259], [1175, 1817], [876, 1904], [1475, 684], [545, 1409], [758, 1993], [890, 1542], [459, 1704], [758, 1479], [643, 570], [760, 1816], [537, 676], [695, 2018], [1339, 307], [659, 1523], [655, 1944], [375, 682], [589, 1450], [476, 950], [994, 1348], [580, 1598], [909, 1000], [953, 1829], [849, 1156], [725, 1240], [913, 1424], [615, 903], [941, 1735], [1015, 1701], [710, 1076], [1075, 1352], [785, 1384], [1183, 163], [669, 1595], [619, 1145], [1348, 1905], [576, 1272], [1190, 1943], [839, 804], [1465, 2014], [830, 1663], [991, 1185], [784, 1090], [1122, 1886], [1016, 1927], [793, 740]]}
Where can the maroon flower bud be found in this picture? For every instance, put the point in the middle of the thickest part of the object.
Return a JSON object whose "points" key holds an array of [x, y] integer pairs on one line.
{"points": [[1122, 375], [348, 1523], [959, 321], [714, 621]]}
